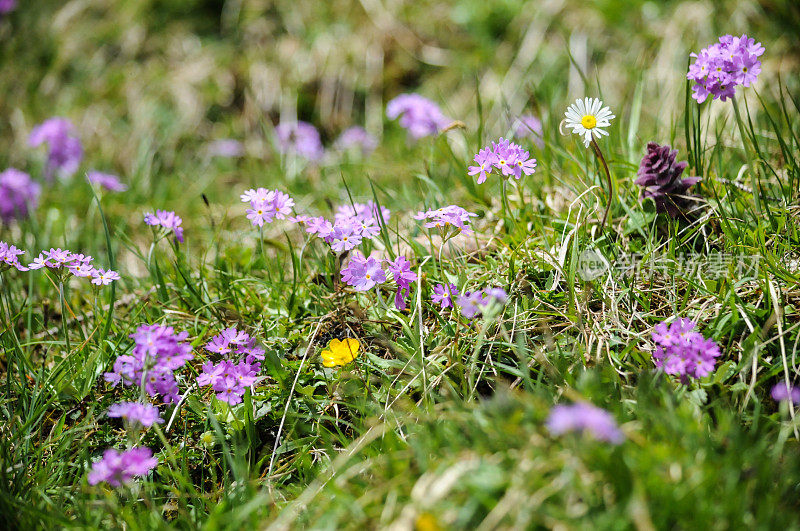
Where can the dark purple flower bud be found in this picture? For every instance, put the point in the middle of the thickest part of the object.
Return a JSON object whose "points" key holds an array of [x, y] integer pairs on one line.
{"points": [[660, 178]]}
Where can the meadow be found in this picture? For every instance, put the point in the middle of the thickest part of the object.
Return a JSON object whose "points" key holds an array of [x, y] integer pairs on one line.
{"points": [[405, 264]]}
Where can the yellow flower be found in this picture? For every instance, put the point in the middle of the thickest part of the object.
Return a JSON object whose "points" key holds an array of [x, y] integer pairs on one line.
{"points": [[340, 352]]}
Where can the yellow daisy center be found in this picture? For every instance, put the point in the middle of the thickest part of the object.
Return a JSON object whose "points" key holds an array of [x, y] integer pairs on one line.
{"points": [[588, 121]]}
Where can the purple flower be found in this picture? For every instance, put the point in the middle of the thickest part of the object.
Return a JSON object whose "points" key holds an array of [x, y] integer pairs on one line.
{"points": [[8, 257], [18, 195], [81, 266], [783, 392], [529, 126], [473, 303], [7, 6], [116, 468], [345, 236], [418, 115], [447, 217], [267, 205], [299, 138], [106, 180], [352, 224], [168, 220], [363, 273], [101, 277], [230, 380], [65, 153], [403, 277], [225, 147], [682, 351], [719, 68], [584, 418], [356, 138], [485, 160], [660, 178], [444, 296], [470, 303], [135, 412], [158, 351]]}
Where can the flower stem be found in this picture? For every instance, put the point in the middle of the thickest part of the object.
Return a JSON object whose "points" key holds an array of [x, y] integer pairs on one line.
{"points": [[62, 297], [751, 160], [602, 159]]}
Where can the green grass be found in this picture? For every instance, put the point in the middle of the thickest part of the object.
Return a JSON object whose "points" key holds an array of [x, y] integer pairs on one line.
{"points": [[440, 422]]}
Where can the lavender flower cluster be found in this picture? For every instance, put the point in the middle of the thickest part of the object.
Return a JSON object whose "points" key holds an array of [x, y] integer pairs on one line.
{"points": [[364, 273], [303, 140], [168, 220], [117, 468], [351, 225], [60, 260], [299, 138], [157, 353], [719, 68], [136, 413], [682, 351], [7, 6], [228, 379], [504, 156], [584, 418], [9, 257], [449, 217], [473, 303], [418, 115], [267, 205], [19, 194], [79, 265], [65, 151]]}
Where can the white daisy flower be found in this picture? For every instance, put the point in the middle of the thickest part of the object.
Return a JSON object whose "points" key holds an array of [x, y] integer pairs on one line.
{"points": [[588, 117]]}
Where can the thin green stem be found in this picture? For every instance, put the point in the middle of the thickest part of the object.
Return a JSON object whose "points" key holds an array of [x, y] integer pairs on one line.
{"points": [[602, 159], [751, 160], [62, 298]]}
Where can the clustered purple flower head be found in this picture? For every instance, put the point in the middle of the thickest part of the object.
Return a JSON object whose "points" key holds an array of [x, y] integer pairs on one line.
{"points": [[504, 156], [473, 303], [157, 353], [9, 257], [529, 126], [660, 178], [116, 468], [106, 180], [444, 295], [401, 272], [418, 115], [584, 418], [351, 225], [166, 219], [228, 379], [18, 195], [364, 273], [136, 413], [267, 205], [65, 153], [299, 138], [719, 68], [783, 392], [449, 217], [7, 6], [682, 351], [356, 137], [64, 261]]}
